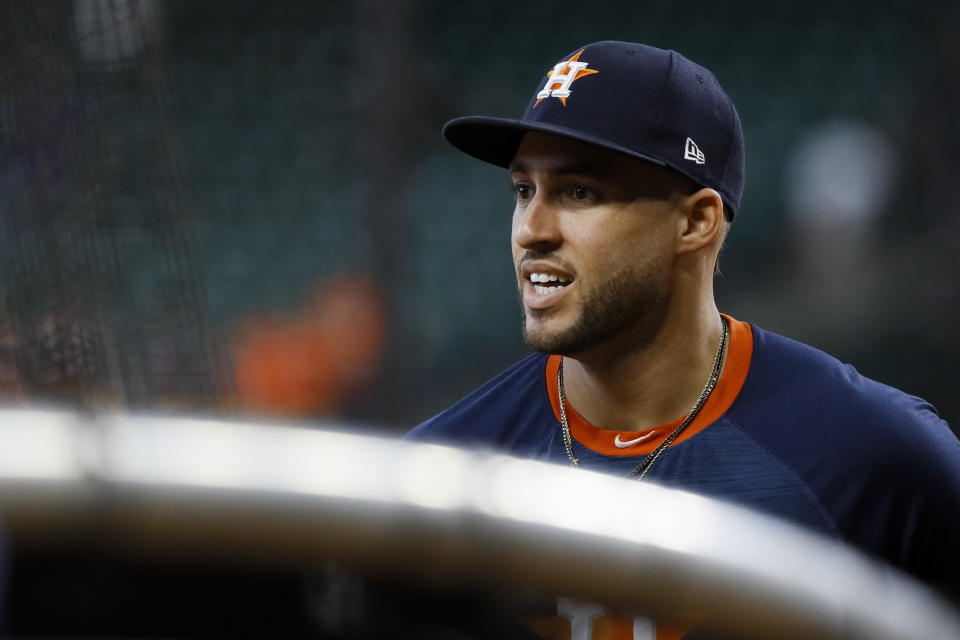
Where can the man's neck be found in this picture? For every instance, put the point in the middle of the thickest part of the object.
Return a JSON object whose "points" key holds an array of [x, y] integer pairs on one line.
{"points": [[651, 380]]}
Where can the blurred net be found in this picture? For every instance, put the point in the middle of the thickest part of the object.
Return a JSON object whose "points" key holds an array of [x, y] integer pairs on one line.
{"points": [[102, 295]]}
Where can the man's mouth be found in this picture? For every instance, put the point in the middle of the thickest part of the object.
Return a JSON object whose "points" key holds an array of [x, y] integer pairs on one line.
{"points": [[546, 282]]}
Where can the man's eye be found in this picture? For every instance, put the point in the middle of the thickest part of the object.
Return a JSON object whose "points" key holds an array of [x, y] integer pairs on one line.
{"points": [[580, 193], [522, 191]]}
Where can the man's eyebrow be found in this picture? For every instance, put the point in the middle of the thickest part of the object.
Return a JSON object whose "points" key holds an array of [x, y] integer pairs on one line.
{"points": [[577, 169]]}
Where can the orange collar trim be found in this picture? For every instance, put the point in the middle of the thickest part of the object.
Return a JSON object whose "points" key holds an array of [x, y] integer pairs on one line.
{"points": [[739, 354]]}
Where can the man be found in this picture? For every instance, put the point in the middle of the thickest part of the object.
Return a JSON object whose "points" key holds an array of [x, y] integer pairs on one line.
{"points": [[628, 168]]}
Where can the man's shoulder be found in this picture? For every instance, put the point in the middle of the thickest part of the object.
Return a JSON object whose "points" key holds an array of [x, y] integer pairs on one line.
{"points": [[786, 370], [802, 399], [495, 411]]}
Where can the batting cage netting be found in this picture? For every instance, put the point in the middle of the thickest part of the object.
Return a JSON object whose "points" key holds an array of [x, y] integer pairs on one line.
{"points": [[102, 296]]}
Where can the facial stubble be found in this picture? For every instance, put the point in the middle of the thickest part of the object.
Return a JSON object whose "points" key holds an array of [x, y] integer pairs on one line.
{"points": [[606, 310]]}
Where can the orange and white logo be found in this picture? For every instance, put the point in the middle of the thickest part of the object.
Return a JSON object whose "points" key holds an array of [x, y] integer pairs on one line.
{"points": [[562, 76]]}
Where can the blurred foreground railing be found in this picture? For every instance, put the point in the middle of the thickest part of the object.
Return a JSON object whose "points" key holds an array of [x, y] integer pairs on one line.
{"points": [[280, 493]]}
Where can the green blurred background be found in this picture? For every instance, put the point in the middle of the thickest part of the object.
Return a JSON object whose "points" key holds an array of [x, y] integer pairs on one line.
{"points": [[247, 207]]}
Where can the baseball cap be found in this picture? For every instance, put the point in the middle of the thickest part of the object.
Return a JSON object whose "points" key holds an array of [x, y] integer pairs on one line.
{"points": [[642, 101]]}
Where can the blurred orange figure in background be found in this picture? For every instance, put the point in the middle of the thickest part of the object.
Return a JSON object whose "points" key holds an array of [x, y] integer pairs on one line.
{"points": [[313, 362]]}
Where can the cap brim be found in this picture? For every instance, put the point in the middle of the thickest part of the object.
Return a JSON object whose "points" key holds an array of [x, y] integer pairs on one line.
{"points": [[495, 140]]}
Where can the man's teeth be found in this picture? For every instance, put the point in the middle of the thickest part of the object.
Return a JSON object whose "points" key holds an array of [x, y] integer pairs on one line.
{"points": [[547, 277]]}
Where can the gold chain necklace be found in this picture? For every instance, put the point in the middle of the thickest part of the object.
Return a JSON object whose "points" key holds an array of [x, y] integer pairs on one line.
{"points": [[642, 468]]}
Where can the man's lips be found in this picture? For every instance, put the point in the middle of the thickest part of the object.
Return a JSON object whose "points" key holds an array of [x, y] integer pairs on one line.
{"points": [[537, 297]]}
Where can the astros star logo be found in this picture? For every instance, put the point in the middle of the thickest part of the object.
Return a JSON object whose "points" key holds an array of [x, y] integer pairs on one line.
{"points": [[562, 76]]}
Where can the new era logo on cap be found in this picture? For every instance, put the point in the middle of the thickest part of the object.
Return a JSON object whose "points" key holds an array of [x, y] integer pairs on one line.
{"points": [[692, 152]]}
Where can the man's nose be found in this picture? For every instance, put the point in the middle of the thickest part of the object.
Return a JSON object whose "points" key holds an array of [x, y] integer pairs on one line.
{"points": [[537, 226]]}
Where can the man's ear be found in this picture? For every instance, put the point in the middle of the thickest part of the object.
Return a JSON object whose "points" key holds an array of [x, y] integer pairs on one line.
{"points": [[703, 220]]}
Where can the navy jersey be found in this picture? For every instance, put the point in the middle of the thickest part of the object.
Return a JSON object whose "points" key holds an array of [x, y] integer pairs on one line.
{"points": [[788, 430]]}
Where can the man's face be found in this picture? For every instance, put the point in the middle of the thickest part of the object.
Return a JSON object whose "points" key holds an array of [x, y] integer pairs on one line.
{"points": [[593, 242]]}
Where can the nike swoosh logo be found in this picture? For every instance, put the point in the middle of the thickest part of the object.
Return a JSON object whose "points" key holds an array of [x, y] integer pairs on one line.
{"points": [[629, 443]]}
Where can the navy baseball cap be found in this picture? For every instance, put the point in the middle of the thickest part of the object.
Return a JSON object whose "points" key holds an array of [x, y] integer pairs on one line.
{"points": [[645, 102]]}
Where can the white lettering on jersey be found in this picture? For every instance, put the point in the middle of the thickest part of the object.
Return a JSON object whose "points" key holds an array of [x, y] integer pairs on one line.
{"points": [[582, 615]]}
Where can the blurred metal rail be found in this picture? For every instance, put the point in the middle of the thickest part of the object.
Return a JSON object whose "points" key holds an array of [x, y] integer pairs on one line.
{"points": [[282, 493]]}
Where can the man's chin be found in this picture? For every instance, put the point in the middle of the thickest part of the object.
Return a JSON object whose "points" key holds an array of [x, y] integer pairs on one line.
{"points": [[566, 342]]}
